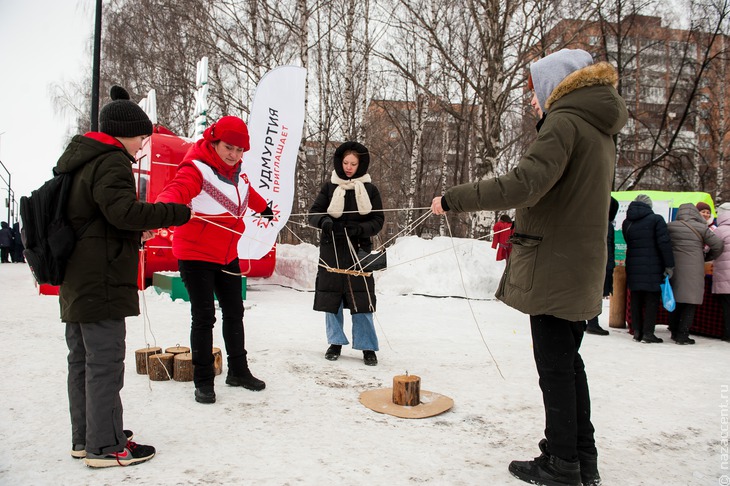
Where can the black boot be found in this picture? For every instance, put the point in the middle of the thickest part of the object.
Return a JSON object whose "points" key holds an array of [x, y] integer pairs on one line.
{"points": [[370, 358], [547, 470], [205, 394], [589, 469], [333, 352], [683, 331], [649, 336], [245, 379], [594, 328]]}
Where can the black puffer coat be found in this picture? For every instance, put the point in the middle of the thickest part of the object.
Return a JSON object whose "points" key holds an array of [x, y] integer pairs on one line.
{"points": [[357, 292], [648, 248]]}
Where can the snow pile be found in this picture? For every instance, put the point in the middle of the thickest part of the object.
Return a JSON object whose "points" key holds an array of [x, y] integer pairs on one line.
{"points": [[439, 267]]}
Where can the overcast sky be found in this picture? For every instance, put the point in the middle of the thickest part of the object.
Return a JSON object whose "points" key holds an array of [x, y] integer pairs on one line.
{"points": [[41, 42]]}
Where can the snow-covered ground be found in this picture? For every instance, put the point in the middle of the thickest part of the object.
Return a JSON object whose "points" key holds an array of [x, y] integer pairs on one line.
{"points": [[660, 411]]}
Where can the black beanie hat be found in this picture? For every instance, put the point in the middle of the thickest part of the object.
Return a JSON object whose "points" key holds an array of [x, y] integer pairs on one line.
{"points": [[122, 117]]}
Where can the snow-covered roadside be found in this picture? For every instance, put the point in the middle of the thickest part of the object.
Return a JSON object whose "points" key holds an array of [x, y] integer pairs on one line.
{"points": [[657, 408]]}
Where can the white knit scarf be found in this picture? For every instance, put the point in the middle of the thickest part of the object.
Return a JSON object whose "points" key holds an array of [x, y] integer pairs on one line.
{"points": [[337, 205]]}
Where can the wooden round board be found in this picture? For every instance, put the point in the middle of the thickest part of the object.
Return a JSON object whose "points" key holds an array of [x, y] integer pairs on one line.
{"points": [[381, 400]]}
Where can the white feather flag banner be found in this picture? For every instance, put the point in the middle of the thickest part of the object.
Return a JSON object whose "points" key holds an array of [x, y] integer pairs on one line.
{"points": [[275, 129]]}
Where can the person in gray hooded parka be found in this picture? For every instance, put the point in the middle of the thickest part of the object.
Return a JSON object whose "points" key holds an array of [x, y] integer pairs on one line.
{"points": [[561, 189], [689, 234]]}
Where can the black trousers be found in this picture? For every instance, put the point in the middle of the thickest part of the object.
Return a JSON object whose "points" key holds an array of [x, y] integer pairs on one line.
{"points": [[681, 319], [564, 385], [644, 308], [725, 302], [204, 281]]}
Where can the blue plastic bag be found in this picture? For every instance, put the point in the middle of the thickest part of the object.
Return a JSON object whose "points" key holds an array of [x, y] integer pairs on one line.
{"points": [[667, 295]]}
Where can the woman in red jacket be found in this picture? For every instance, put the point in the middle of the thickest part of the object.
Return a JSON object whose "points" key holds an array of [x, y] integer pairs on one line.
{"points": [[210, 179], [501, 235]]}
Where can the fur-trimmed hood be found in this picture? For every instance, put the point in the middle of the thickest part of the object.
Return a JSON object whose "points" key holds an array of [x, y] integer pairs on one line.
{"points": [[600, 74], [590, 93]]}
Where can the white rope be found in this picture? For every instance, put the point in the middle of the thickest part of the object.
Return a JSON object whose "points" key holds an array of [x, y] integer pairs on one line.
{"points": [[471, 309]]}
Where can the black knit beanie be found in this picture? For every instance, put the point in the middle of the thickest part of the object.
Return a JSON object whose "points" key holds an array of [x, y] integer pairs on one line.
{"points": [[122, 117]]}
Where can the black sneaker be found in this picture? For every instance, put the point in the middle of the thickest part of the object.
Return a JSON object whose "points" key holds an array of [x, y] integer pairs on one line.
{"points": [[246, 380], [547, 470], [685, 340], [205, 394], [333, 352], [369, 358], [132, 454], [78, 451]]}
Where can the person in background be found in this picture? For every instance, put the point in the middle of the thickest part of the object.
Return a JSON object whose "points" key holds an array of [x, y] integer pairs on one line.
{"points": [[348, 210], [211, 180], [100, 286], [721, 268], [6, 242], [560, 227], [690, 234], [706, 212], [16, 253], [502, 232], [592, 326], [649, 259]]}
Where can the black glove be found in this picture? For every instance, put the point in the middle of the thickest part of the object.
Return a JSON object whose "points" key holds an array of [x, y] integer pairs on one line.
{"points": [[669, 271], [326, 225], [267, 213], [353, 229]]}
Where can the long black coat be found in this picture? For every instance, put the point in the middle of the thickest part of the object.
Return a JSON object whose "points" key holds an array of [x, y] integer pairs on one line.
{"points": [[648, 247], [357, 292]]}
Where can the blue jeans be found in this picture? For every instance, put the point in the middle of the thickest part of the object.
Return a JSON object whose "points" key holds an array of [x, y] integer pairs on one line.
{"points": [[363, 330]]}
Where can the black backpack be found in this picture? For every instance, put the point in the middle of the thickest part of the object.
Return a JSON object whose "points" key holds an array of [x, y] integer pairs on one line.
{"points": [[48, 237]]}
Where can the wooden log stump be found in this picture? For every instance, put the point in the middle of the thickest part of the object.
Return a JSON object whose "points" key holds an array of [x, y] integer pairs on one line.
{"points": [[407, 390], [617, 306], [141, 356], [160, 366], [217, 361], [183, 364], [175, 350]]}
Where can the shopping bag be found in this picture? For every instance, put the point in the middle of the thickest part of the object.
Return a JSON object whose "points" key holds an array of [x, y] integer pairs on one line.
{"points": [[667, 295]]}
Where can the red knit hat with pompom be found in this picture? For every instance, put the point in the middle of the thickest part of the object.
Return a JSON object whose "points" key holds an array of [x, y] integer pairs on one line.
{"points": [[231, 130]]}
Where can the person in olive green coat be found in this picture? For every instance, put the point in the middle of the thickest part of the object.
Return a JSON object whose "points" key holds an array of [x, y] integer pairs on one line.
{"points": [[100, 285], [561, 190]]}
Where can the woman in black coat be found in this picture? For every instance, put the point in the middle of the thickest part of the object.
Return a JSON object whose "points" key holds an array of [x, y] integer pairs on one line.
{"points": [[348, 210], [648, 259]]}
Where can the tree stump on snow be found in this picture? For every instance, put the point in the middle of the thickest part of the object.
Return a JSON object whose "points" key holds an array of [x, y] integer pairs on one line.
{"points": [[175, 350], [183, 364], [141, 356], [217, 361], [160, 366], [617, 306], [407, 390]]}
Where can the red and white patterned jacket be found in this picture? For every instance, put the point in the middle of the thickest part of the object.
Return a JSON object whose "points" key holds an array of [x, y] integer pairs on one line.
{"points": [[216, 192]]}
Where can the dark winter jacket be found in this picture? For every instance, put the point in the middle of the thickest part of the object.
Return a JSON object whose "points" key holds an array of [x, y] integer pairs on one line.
{"points": [[6, 235], [17, 251], [611, 247], [357, 292], [561, 189], [690, 234], [648, 247], [101, 276]]}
